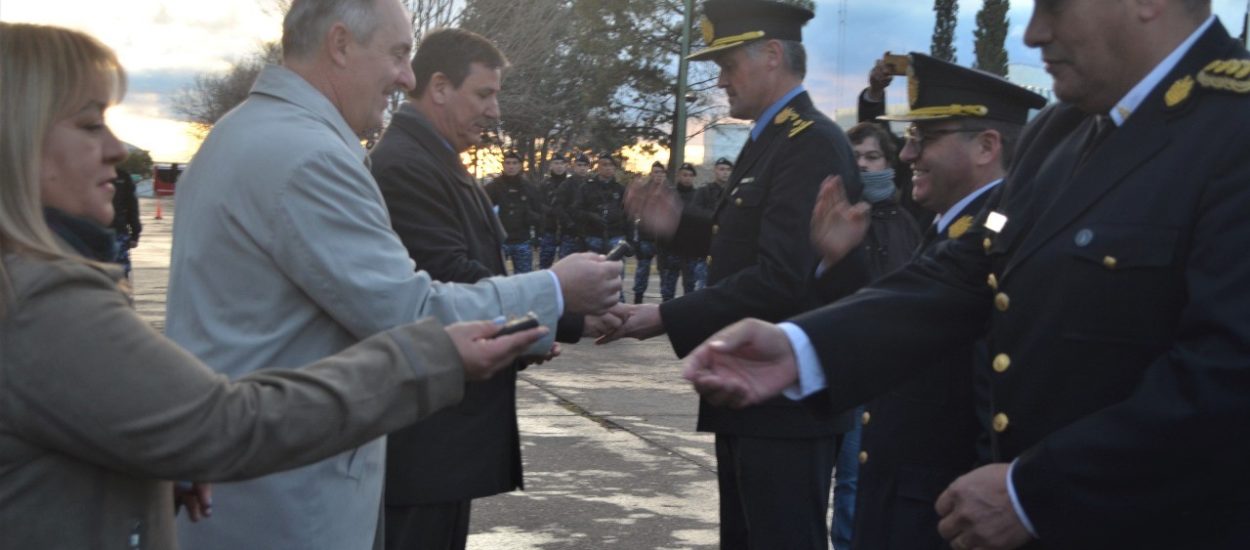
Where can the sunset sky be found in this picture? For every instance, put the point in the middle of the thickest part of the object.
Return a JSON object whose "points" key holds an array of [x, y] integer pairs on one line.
{"points": [[164, 44]]}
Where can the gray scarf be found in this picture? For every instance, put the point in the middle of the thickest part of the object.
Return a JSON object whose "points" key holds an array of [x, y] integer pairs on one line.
{"points": [[878, 186]]}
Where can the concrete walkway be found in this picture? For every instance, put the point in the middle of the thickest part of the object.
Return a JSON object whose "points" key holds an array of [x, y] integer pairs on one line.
{"points": [[611, 456]]}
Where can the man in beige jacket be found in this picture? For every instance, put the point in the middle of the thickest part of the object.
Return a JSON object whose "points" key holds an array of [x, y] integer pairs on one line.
{"points": [[284, 254]]}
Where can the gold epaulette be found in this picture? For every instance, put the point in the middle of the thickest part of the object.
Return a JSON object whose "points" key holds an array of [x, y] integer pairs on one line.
{"points": [[1224, 75], [1228, 75], [797, 124]]}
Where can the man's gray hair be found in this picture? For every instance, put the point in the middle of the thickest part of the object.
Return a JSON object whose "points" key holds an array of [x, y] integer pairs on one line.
{"points": [[792, 53], [307, 22]]}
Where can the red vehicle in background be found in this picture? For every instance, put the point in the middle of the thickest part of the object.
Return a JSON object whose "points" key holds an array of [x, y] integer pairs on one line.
{"points": [[165, 178]]}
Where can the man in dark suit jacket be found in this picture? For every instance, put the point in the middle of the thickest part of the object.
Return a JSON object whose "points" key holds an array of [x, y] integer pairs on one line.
{"points": [[1110, 270], [774, 461], [446, 221], [921, 436]]}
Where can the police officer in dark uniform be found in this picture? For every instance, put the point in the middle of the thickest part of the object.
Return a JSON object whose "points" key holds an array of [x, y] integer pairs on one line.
{"points": [[571, 238], [600, 208], [645, 250], [672, 264], [774, 461], [556, 215], [921, 436], [520, 211], [703, 208], [126, 224], [1109, 276]]}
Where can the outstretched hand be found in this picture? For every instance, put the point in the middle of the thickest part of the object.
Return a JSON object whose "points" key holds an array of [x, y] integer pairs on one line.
{"points": [[747, 363], [600, 325], [837, 225], [642, 322]]}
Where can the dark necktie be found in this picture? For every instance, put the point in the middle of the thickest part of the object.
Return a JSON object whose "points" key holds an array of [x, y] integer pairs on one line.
{"points": [[930, 236]]}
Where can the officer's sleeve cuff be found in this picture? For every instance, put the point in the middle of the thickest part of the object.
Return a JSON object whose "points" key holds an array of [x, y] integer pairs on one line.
{"points": [[559, 294], [1015, 501], [811, 375]]}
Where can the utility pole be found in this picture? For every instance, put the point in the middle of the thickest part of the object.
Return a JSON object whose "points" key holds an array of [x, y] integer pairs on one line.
{"points": [[1245, 26], [677, 155]]}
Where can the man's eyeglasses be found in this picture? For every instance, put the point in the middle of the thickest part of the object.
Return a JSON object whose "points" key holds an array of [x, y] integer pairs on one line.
{"points": [[920, 138]]}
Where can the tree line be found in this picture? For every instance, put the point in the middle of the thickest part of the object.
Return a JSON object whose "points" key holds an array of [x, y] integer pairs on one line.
{"points": [[585, 75]]}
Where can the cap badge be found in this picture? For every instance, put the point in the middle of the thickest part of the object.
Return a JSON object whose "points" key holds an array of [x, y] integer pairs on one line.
{"points": [[709, 31]]}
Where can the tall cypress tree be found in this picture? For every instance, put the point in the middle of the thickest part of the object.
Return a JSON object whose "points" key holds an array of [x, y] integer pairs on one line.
{"points": [[944, 29], [991, 33]]}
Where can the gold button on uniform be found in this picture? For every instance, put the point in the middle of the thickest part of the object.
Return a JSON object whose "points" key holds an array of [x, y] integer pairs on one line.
{"points": [[715, 229], [709, 261], [1000, 422], [987, 243], [1002, 302], [992, 280], [863, 457], [1109, 262], [864, 418], [738, 202], [1002, 362]]}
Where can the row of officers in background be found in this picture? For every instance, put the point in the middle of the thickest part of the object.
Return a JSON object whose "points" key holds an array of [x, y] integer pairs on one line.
{"points": [[575, 210]]}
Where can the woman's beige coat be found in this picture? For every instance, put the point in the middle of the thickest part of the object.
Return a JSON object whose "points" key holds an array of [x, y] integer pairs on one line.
{"points": [[98, 411]]}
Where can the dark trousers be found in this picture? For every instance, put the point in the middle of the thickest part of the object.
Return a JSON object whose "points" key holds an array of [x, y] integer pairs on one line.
{"points": [[441, 526], [774, 492]]}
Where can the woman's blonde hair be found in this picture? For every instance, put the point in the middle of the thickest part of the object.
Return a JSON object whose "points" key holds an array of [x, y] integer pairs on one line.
{"points": [[46, 74]]}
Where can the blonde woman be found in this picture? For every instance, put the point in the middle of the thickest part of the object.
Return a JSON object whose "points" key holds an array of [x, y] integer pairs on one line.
{"points": [[96, 409]]}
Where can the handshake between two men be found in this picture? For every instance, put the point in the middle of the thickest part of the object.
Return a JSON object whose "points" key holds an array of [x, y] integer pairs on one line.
{"points": [[837, 227], [590, 286]]}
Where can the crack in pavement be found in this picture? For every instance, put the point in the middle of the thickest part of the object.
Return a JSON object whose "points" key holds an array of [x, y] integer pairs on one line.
{"points": [[610, 425]]}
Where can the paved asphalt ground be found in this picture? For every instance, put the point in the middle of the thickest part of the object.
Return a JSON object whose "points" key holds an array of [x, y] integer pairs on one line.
{"points": [[611, 456]]}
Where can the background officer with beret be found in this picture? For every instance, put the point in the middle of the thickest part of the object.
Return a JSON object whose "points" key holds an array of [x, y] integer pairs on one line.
{"points": [[600, 209], [1109, 277], [520, 209], [703, 209], [672, 264], [555, 213], [774, 461], [572, 238]]}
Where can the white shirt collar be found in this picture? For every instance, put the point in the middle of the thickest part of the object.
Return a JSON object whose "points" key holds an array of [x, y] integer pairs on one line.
{"points": [[943, 220], [1126, 106]]}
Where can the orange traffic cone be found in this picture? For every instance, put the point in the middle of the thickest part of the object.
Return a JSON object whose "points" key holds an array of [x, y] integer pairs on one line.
{"points": [[158, 207]]}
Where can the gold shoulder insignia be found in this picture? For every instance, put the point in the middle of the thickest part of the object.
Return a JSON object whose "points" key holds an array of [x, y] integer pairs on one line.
{"points": [[1179, 91], [959, 227], [799, 126], [786, 115], [1229, 75]]}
